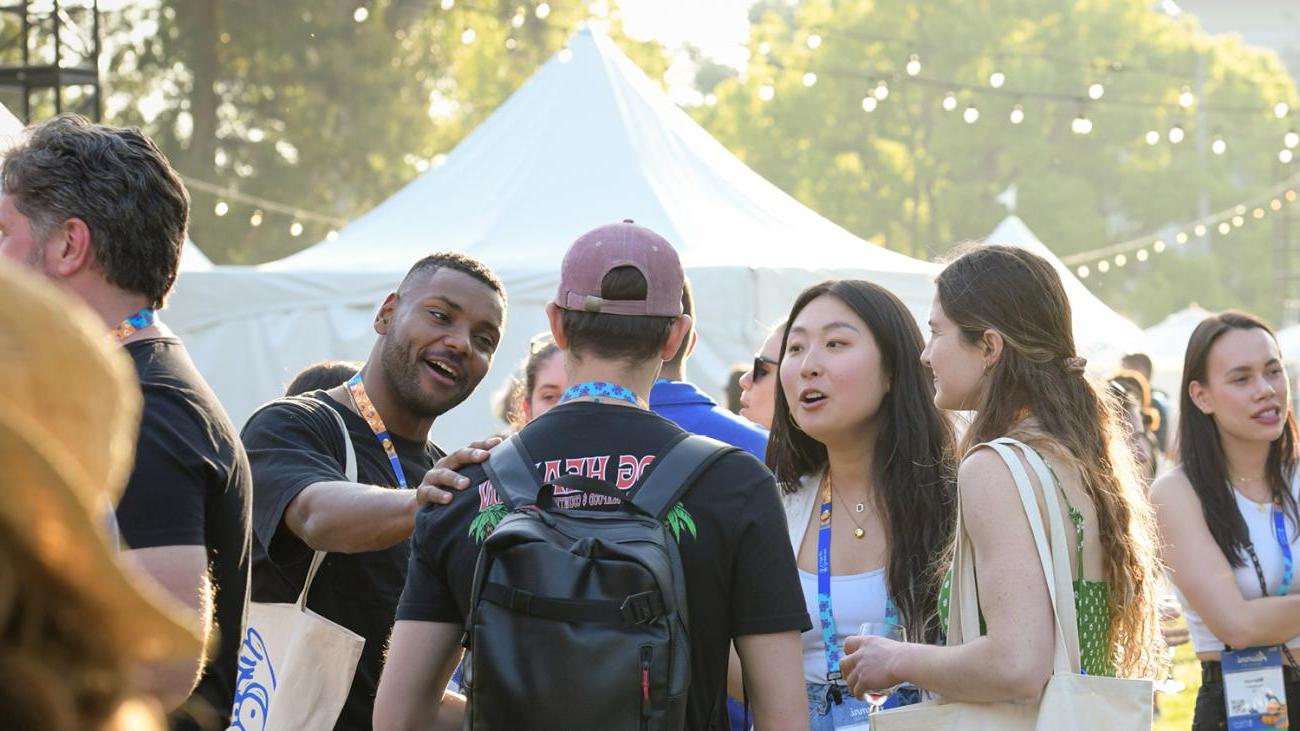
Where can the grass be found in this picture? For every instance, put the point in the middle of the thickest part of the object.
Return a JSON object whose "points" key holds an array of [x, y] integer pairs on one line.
{"points": [[1176, 710]]}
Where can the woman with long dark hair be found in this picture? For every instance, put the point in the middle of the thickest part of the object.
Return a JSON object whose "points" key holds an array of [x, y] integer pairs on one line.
{"points": [[1228, 514], [1002, 346], [865, 461]]}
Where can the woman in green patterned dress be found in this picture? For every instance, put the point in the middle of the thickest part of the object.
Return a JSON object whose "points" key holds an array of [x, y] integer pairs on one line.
{"points": [[1002, 346]]}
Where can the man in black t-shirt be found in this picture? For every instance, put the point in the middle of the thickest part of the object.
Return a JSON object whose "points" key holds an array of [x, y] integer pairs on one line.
{"points": [[617, 316], [437, 334], [98, 210]]}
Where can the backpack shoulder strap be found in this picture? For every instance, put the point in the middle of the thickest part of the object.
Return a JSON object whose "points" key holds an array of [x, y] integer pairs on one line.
{"points": [[675, 470], [510, 468]]}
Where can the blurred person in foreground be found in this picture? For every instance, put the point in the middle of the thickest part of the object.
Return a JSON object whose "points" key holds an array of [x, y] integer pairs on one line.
{"points": [[74, 626], [99, 211]]}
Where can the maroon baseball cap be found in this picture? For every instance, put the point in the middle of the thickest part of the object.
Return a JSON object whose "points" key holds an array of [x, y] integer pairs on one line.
{"points": [[614, 245]]}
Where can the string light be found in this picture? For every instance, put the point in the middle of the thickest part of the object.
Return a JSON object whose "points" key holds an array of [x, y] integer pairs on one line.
{"points": [[882, 90], [1153, 137], [869, 103], [1017, 114], [766, 92], [1181, 237], [1186, 99], [1199, 230], [814, 41], [1281, 110], [360, 14], [809, 79], [971, 115], [949, 101], [1290, 196], [542, 10], [1103, 266], [764, 48], [1218, 147], [1120, 260], [467, 36], [1258, 213], [222, 208], [1083, 272], [1158, 246], [255, 220], [1096, 91], [295, 229], [1275, 204], [997, 79], [1238, 221], [913, 65], [1291, 139], [448, 4], [1285, 157], [511, 44], [1142, 255], [519, 20], [1176, 134], [1225, 228], [1081, 126], [332, 235]]}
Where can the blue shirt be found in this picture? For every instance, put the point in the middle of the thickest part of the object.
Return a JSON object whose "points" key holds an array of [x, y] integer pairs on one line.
{"points": [[690, 408]]}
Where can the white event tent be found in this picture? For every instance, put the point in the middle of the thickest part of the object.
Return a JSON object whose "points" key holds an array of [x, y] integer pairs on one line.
{"points": [[1100, 334], [1166, 343], [588, 140]]}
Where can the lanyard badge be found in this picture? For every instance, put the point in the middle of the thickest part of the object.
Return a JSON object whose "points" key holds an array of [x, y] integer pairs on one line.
{"points": [[599, 390], [1254, 690], [133, 324], [357, 390]]}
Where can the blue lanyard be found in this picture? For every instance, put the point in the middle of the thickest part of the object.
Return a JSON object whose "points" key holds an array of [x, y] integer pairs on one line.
{"points": [[367, 410], [600, 389], [834, 650], [133, 324], [1288, 563]]}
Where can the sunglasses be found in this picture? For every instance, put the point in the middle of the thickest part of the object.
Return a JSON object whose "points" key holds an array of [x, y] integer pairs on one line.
{"points": [[760, 367]]}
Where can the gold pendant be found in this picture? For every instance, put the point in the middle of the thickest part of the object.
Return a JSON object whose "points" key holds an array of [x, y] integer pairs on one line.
{"points": [[858, 533]]}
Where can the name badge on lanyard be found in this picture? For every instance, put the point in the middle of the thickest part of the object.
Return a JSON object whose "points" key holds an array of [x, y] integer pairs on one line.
{"points": [[1254, 690], [847, 712]]}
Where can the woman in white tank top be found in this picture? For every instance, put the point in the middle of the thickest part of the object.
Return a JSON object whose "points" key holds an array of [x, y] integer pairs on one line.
{"points": [[856, 429], [1227, 514]]}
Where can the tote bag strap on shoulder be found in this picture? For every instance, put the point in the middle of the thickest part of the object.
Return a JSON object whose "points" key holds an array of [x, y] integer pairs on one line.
{"points": [[349, 471]]}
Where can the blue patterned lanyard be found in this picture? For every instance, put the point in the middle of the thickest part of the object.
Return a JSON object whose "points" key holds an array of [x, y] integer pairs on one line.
{"points": [[600, 389], [367, 410], [834, 650], [131, 325], [1288, 563]]}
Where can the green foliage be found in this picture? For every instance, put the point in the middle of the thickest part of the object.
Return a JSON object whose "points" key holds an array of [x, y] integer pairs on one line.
{"points": [[917, 179], [299, 103]]}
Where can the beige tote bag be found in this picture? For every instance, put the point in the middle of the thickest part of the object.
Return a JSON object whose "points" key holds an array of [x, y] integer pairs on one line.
{"points": [[1071, 701], [295, 667]]}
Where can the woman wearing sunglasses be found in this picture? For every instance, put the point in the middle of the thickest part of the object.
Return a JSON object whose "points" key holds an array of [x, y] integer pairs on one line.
{"points": [[757, 391]]}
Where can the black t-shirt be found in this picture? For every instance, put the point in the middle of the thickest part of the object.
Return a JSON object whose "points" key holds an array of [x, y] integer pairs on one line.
{"points": [[191, 486], [290, 448], [740, 573]]}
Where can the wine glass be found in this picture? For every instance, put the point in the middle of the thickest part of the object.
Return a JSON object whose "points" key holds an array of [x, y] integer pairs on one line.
{"points": [[1170, 612], [890, 631]]}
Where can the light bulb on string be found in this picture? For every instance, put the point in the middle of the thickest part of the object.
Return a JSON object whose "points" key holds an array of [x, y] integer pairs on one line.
{"points": [[1238, 221], [1103, 266], [360, 14], [1081, 125], [971, 115], [1258, 213], [1281, 110], [881, 92], [1186, 98], [1142, 255], [332, 235], [1083, 272], [1225, 228], [542, 10], [1218, 147], [1017, 114], [949, 102], [448, 4], [997, 79], [1181, 238], [255, 220], [913, 65], [1290, 196], [1275, 204], [1291, 139], [222, 208], [295, 229], [1285, 157], [814, 41], [766, 92], [1240, 210], [1199, 230], [1158, 246], [1153, 137], [519, 20], [764, 48], [1096, 91], [1176, 134], [869, 103], [467, 36], [809, 79], [511, 44], [1120, 260]]}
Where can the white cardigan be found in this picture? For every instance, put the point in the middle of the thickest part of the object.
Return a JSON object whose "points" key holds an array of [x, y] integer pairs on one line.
{"points": [[799, 506]]}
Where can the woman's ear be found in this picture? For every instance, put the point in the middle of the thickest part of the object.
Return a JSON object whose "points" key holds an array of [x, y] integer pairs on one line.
{"points": [[991, 342], [1200, 397]]}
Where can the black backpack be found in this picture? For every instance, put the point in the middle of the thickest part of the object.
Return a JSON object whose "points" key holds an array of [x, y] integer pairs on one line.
{"points": [[578, 618]]}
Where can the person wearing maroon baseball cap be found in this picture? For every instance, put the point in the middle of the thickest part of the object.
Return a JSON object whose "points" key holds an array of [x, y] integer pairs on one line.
{"points": [[617, 315]]}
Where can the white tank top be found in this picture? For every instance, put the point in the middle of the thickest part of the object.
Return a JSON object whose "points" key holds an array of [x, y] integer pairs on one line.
{"points": [[855, 599], [1260, 524]]}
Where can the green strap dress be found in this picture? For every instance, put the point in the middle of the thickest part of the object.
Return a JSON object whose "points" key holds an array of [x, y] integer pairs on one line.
{"points": [[1090, 606]]}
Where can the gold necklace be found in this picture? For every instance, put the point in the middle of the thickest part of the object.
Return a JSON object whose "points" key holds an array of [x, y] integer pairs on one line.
{"points": [[858, 532]]}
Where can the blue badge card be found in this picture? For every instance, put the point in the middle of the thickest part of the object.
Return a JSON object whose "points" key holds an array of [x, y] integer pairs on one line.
{"points": [[1254, 690], [852, 714]]}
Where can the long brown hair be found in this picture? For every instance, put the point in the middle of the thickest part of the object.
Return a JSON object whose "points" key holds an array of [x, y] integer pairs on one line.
{"points": [[1019, 295], [912, 456], [1204, 463]]}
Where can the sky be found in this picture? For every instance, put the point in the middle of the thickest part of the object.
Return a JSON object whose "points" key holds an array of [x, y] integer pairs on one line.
{"points": [[719, 27]]}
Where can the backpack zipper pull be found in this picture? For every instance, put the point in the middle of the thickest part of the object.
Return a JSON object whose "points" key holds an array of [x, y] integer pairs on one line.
{"points": [[645, 674]]}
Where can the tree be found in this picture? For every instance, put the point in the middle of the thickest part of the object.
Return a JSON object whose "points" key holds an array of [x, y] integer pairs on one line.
{"points": [[330, 106], [917, 178]]}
